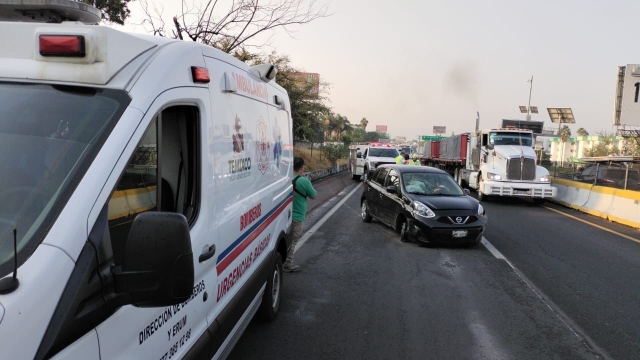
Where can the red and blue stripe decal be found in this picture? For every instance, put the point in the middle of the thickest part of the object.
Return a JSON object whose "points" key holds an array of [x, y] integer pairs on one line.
{"points": [[234, 250]]}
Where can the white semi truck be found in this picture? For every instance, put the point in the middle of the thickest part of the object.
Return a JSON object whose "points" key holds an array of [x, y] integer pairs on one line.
{"points": [[495, 162]]}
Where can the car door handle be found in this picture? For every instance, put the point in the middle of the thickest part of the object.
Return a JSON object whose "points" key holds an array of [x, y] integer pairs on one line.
{"points": [[207, 253]]}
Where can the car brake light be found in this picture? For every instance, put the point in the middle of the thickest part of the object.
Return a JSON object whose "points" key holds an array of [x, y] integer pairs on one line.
{"points": [[62, 45], [200, 75]]}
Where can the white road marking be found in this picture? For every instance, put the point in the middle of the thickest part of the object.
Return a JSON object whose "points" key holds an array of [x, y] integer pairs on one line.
{"points": [[326, 217], [493, 250], [564, 318]]}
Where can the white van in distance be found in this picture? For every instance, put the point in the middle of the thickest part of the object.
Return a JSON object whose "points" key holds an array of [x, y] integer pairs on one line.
{"points": [[145, 204]]}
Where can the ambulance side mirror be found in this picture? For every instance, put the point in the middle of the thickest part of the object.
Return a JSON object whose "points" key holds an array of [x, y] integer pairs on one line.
{"points": [[359, 155], [157, 266]]}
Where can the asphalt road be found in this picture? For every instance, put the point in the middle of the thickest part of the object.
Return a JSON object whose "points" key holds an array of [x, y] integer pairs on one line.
{"points": [[363, 294], [591, 275]]}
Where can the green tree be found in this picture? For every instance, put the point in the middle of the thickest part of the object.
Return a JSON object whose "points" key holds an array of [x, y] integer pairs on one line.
{"points": [[335, 152], [363, 123], [115, 11], [358, 135], [606, 146], [307, 114], [582, 132], [372, 136]]}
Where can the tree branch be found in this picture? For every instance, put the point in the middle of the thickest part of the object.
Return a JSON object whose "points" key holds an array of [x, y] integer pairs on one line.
{"points": [[240, 25]]}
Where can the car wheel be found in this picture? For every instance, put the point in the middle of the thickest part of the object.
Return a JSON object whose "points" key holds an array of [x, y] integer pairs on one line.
{"points": [[271, 299], [366, 217], [404, 230]]}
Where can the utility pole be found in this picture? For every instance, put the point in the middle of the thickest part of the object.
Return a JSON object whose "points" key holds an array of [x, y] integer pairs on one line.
{"points": [[529, 106]]}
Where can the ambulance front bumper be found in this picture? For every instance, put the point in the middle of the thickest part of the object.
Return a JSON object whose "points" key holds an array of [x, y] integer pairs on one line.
{"points": [[529, 190]]}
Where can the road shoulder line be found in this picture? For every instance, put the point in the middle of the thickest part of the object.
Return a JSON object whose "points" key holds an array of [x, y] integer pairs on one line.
{"points": [[555, 309], [326, 217], [593, 224]]}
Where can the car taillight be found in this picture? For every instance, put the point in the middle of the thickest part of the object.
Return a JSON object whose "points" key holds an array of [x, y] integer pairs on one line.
{"points": [[62, 45], [200, 75]]}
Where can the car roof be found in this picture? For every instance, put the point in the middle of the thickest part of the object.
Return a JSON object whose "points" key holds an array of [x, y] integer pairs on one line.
{"points": [[414, 169]]}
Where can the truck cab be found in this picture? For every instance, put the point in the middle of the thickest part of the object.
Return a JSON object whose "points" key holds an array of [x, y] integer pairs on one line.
{"points": [[503, 163]]}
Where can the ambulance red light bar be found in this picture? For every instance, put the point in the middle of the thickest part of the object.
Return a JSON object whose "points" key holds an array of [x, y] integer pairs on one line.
{"points": [[200, 75], [62, 45]]}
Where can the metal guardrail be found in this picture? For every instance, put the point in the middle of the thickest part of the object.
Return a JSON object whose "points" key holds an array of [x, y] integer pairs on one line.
{"points": [[318, 174], [567, 176]]}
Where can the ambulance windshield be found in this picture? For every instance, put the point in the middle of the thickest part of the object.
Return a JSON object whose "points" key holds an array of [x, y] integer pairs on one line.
{"points": [[48, 137], [383, 152]]}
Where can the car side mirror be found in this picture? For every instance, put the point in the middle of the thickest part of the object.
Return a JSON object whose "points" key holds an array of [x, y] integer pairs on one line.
{"points": [[157, 266], [359, 155], [392, 189], [466, 191]]}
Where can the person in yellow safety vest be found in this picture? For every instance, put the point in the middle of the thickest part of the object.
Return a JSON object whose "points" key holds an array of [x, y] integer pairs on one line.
{"points": [[400, 158], [415, 160]]}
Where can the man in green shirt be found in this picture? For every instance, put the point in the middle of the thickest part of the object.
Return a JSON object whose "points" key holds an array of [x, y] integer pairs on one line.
{"points": [[302, 189]]}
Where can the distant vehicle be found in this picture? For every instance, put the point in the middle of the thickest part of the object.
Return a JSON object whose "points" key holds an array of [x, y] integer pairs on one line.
{"points": [[406, 149], [356, 162], [378, 154], [611, 175], [422, 204], [364, 157]]}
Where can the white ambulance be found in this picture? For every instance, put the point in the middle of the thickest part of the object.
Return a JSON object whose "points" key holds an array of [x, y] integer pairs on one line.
{"points": [[145, 206]]}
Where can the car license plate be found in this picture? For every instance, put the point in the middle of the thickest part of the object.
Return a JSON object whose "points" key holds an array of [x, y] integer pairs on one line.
{"points": [[459, 234], [522, 192]]}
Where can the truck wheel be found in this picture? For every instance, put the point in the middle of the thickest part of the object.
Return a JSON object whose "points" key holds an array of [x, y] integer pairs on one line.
{"points": [[271, 299], [481, 196], [461, 182]]}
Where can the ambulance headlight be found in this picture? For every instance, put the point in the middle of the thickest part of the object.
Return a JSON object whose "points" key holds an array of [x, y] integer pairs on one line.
{"points": [[492, 176], [423, 210], [545, 178]]}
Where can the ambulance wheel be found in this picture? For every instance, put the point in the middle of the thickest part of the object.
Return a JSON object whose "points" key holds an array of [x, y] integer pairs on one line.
{"points": [[366, 217], [355, 177], [271, 299], [539, 201]]}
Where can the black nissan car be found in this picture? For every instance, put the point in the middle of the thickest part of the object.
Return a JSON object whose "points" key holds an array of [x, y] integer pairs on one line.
{"points": [[423, 204]]}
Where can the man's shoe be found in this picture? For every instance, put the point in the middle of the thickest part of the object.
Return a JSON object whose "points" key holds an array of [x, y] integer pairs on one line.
{"points": [[292, 268]]}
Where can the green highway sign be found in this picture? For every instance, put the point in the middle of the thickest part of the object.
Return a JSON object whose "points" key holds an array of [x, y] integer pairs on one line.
{"points": [[431, 138]]}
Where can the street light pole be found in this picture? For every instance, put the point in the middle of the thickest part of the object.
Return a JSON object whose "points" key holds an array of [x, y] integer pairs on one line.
{"points": [[529, 106]]}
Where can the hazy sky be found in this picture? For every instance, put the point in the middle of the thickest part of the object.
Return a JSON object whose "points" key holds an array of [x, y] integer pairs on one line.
{"points": [[415, 64]]}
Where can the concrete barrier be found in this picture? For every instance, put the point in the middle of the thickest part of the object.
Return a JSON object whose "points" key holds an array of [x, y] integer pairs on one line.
{"points": [[622, 206], [318, 174]]}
